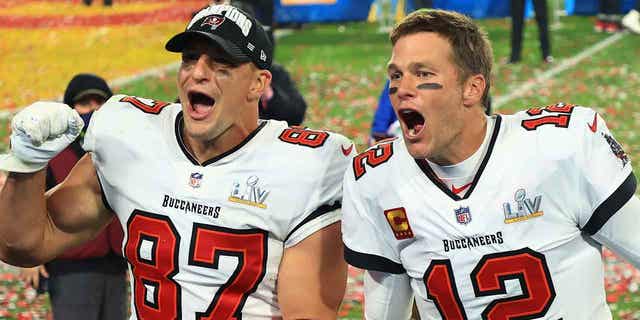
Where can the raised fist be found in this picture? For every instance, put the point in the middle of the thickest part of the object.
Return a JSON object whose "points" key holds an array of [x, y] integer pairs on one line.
{"points": [[38, 133]]}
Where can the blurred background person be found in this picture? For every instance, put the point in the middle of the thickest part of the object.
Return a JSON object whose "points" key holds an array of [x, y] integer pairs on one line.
{"points": [[106, 3], [264, 12], [282, 100], [517, 27], [608, 18], [385, 122], [631, 20], [87, 282]]}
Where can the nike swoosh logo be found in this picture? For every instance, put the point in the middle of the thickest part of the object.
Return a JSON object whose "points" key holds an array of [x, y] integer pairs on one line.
{"points": [[458, 190], [594, 125], [346, 151]]}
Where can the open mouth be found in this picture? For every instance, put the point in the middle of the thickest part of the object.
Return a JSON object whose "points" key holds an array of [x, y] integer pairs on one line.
{"points": [[201, 103], [413, 121]]}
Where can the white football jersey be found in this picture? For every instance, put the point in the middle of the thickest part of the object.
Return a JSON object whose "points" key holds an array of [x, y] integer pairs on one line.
{"points": [[518, 244], [205, 241]]}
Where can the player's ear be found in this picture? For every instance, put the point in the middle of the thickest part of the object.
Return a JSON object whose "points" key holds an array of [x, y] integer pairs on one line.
{"points": [[473, 90], [261, 82]]}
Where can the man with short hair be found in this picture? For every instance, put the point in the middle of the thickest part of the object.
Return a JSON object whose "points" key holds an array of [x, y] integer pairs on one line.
{"points": [[483, 217], [225, 216]]}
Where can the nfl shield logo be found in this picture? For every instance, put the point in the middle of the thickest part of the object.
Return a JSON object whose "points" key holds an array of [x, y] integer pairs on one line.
{"points": [[463, 215], [194, 180]]}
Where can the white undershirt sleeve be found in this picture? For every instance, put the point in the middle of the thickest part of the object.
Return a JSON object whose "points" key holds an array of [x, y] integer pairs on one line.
{"points": [[387, 296], [620, 233]]}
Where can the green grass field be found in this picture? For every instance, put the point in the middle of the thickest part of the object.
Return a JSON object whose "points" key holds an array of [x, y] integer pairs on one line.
{"points": [[340, 70]]}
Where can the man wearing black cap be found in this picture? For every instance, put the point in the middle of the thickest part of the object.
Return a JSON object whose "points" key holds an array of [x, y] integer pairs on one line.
{"points": [[225, 216], [86, 93], [87, 282]]}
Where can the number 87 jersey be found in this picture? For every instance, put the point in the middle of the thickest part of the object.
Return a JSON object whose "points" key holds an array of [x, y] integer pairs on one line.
{"points": [[206, 240], [524, 242]]}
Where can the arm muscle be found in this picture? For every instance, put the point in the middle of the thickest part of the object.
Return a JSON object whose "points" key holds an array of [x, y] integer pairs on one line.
{"points": [[313, 276], [36, 227]]}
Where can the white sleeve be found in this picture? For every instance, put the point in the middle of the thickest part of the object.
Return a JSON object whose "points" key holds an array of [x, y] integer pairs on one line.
{"points": [[95, 128], [387, 296], [324, 208], [366, 244], [606, 180], [620, 232]]}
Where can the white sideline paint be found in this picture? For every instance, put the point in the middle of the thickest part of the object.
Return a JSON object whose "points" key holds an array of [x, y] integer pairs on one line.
{"points": [[564, 65], [150, 72]]}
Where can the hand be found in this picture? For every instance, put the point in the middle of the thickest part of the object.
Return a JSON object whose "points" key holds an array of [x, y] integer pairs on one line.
{"points": [[38, 133], [31, 276]]}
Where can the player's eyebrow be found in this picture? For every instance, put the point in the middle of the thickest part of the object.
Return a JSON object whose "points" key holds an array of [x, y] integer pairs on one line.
{"points": [[420, 65], [392, 67]]}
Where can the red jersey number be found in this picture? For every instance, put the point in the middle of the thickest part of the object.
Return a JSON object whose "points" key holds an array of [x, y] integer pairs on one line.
{"points": [[146, 105], [372, 157], [488, 278], [561, 114], [153, 246], [249, 246], [304, 137], [152, 249]]}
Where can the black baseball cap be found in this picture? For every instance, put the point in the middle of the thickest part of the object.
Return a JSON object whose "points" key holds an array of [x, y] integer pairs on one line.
{"points": [[239, 34], [84, 84]]}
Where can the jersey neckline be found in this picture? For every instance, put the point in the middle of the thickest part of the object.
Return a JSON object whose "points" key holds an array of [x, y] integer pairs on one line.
{"points": [[428, 171], [179, 125]]}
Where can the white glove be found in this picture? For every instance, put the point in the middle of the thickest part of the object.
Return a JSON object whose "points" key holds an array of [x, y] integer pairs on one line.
{"points": [[38, 133]]}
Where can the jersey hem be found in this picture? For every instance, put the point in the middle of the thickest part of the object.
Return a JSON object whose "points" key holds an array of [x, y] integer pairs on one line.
{"points": [[372, 262], [321, 210]]}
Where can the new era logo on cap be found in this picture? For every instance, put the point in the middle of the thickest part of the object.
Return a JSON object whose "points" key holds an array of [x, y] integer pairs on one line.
{"points": [[236, 32]]}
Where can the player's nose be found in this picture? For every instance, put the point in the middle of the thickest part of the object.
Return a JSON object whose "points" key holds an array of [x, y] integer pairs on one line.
{"points": [[201, 69], [406, 88]]}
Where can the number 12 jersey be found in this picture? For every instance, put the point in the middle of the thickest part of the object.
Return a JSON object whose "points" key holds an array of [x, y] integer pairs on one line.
{"points": [[520, 244]]}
